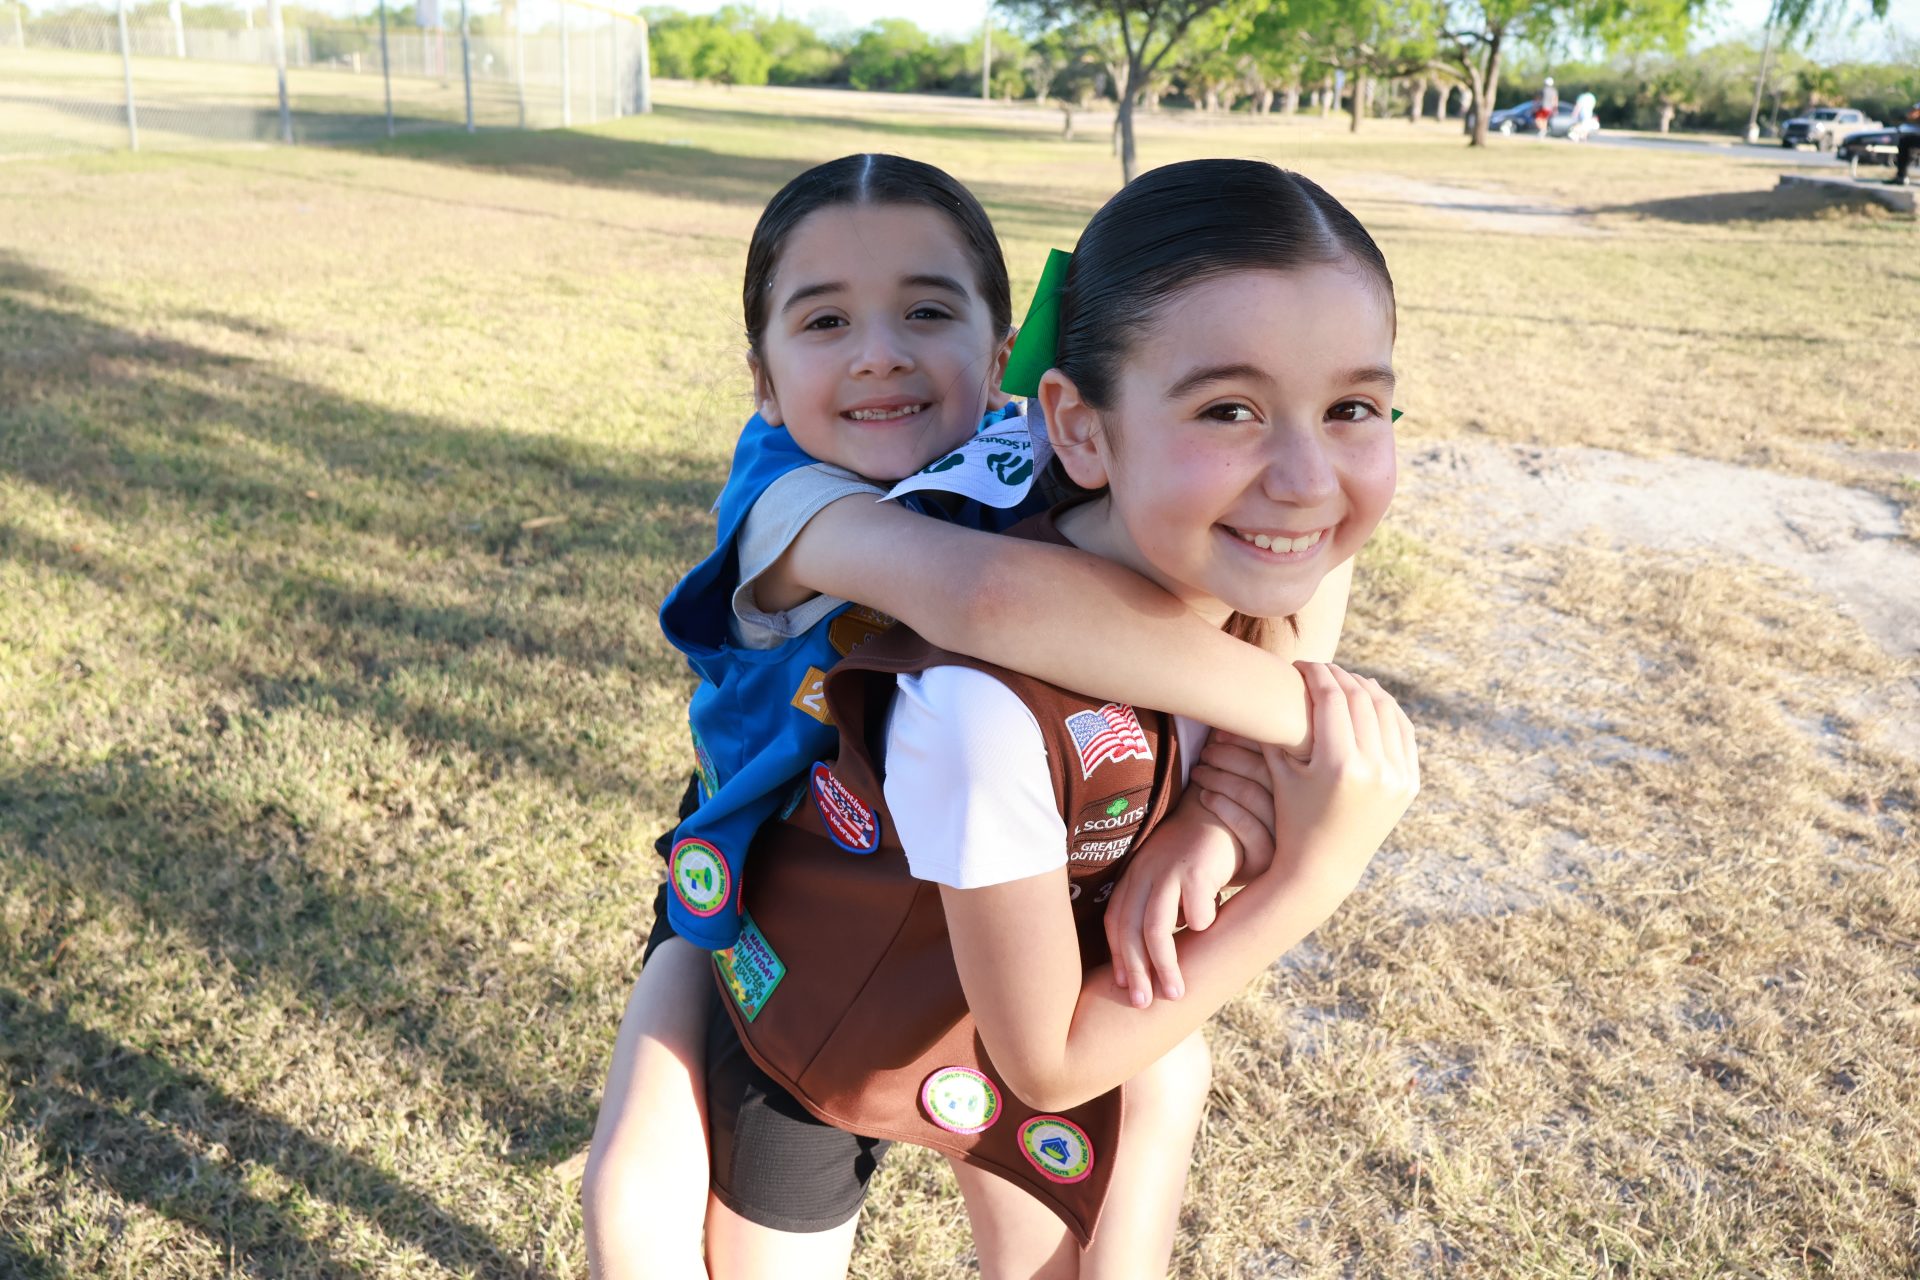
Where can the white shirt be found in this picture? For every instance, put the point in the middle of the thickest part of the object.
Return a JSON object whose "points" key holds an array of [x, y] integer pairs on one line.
{"points": [[967, 782]]}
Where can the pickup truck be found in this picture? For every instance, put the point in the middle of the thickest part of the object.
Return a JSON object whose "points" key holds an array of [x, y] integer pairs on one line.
{"points": [[1824, 128]]}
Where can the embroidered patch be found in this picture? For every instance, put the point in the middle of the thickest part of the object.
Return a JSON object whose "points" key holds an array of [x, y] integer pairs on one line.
{"points": [[960, 1100], [1100, 850], [700, 877], [1112, 815], [855, 627], [750, 969], [811, 696], [709, 779], [850, 821], [1112, 733], [1057, 1147]]}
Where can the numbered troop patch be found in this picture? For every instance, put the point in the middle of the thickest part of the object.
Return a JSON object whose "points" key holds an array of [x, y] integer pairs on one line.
{"points": [[699, 876], [960, 1100], [850, 821], [811, 696], [1057, 1147]]}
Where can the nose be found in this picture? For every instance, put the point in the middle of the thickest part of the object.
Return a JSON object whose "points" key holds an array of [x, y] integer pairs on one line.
{"points": [[882, 352], [1300, 468]]}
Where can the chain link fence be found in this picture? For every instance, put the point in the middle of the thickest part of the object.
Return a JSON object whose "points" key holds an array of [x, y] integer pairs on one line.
{"points": [[164, 75]]}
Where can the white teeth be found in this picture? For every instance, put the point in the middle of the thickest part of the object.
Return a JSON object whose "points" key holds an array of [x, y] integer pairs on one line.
{"points": [[883, 415], [1268, 543]]}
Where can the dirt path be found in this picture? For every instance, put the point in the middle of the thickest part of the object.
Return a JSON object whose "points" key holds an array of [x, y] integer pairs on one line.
{"points": [[1844, 544], [1482, 208]]}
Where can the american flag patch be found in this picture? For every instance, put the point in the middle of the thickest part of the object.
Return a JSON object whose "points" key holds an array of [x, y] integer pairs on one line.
{"points": [[1111, 733]]}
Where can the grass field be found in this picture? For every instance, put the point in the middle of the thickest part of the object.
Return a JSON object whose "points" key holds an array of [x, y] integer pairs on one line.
{"points": [[338, 488]]}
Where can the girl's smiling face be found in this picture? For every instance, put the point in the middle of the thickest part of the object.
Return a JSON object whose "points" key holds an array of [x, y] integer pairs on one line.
{"points": [[878, 353], [1256, 410]]}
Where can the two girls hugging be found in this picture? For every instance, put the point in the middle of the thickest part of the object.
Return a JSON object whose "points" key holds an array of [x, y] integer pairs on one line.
{"points": [[971, 844]]}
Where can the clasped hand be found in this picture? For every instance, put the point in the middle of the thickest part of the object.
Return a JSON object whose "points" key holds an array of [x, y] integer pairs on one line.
{"points": [[1314, 819]]}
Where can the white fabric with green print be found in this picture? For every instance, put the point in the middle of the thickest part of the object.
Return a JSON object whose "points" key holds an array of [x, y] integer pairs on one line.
{"points": [[996, 468]]}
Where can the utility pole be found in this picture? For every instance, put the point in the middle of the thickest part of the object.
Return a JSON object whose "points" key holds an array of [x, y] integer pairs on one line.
{"points": [[986, 56], [280, 68], [126, 68], [466, 63], [1759, 85], [386, 67]]}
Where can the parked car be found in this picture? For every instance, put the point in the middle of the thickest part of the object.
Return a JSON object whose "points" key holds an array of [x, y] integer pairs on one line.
{"points": [[1519, 119], [1874, 146], [1824, 128]]}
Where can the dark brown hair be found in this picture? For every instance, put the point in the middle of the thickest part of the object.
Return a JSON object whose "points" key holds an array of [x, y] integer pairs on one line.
{"points": [[1181, 225], [873, 179]]}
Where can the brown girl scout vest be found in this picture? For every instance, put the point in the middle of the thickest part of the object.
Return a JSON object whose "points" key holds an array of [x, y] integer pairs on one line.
{"points": [[843, 986]]}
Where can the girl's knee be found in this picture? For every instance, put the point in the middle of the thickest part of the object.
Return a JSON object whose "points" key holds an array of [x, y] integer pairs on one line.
{"points": [[1183, 1073]]}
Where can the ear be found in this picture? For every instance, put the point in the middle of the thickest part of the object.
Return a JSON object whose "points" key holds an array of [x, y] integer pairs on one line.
{"points": [[765, 400], [997, 371], [1073, 428]]}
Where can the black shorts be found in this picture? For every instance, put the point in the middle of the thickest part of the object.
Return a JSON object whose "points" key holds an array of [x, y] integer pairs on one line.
{"points": [[770, 1160]]}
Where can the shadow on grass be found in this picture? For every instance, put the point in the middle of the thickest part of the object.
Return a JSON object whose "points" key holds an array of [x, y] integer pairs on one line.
{"points": [[1792, 204], [247, 877], [815, 124], [19, 1261], [316, 554], [232, 122], [144, 1128], [595, 159]]}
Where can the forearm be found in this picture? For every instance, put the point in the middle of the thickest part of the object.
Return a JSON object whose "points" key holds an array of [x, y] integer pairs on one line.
{"points": [[1108, 1041], [1151, 650], [1009, 601]]}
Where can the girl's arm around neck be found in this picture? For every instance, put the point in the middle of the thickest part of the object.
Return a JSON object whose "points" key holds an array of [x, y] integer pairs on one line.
{"points": [[1058, 613]]}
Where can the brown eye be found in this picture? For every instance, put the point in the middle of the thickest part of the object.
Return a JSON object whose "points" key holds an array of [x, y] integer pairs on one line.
{"points": [[1228, 413], [1352, 411]]}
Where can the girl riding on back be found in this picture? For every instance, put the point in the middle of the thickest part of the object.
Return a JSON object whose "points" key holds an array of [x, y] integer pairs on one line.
{"points": [[877, 316], [1222, 385]]}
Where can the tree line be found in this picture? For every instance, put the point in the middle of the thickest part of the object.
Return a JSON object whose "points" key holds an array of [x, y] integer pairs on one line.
{"points": [[1365, 58]]}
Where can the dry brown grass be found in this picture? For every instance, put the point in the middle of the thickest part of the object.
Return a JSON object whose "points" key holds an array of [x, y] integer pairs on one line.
{"points": [[325, 785]]}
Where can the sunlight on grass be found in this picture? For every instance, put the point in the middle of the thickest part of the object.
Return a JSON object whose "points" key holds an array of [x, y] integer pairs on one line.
{"points": [[329, 782]]}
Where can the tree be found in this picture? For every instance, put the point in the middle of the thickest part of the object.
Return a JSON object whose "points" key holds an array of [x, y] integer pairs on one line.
{"points": [[1149, 30], [1791, 20], [889, 54], [1062, 65]]}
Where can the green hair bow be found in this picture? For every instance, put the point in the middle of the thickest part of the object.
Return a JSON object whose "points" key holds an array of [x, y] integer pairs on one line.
{"points": [[1036, 349], [1039, 340]]}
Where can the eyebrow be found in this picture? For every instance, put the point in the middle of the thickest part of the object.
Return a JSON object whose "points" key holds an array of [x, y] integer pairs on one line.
{"points": [[1215, 373], [1377, 375], [946, 284]]}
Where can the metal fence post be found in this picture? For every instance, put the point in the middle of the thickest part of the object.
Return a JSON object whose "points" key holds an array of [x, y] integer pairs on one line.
{"points": [[466, 63], [126, 66], [280, 68], [179, 29], [644, 103], [593, 76], [566, 72], [386, 68], [520, 63]]}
